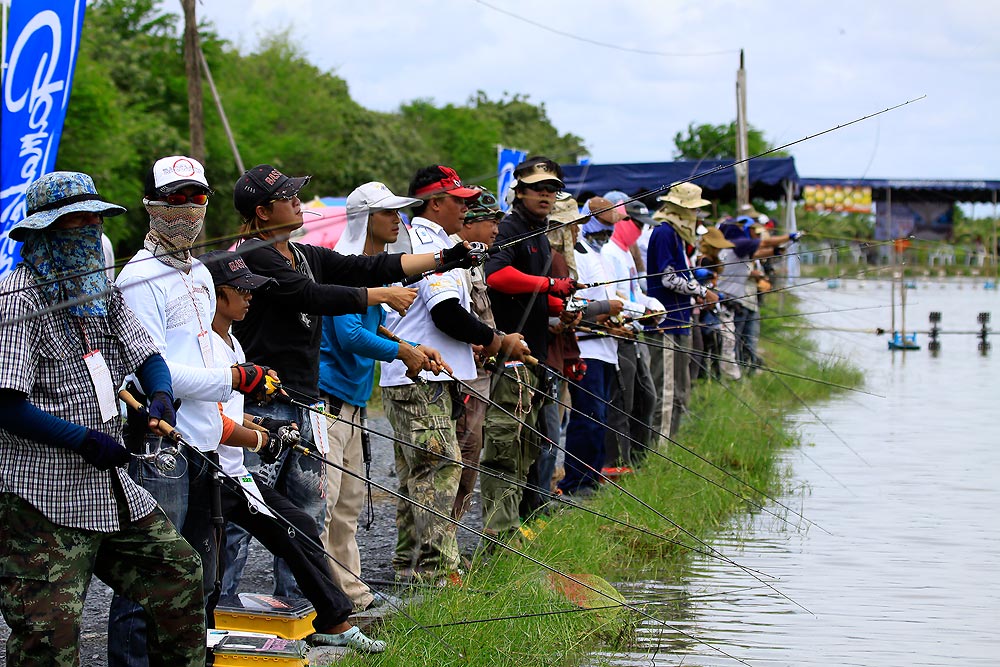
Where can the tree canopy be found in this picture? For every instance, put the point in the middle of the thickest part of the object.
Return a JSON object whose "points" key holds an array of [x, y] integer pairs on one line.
{"points": [[718, 142], [129, 107]]}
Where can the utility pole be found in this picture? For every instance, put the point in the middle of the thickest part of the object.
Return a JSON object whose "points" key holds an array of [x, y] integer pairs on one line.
{"points": [[742, 168], [192, 69]]}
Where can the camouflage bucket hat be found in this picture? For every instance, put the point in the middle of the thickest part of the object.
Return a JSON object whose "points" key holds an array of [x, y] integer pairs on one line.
{"points": [[57, 194]]}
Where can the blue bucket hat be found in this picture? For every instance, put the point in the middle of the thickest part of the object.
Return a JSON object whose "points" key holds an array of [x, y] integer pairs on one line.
{"points": [[56, 194]]}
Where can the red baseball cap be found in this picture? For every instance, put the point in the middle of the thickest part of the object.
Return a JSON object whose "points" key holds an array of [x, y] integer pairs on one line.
{"points": [[449, 183]]}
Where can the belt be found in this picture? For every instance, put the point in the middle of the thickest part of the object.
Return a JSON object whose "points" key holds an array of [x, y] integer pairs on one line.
{"points": [[333, 404]]}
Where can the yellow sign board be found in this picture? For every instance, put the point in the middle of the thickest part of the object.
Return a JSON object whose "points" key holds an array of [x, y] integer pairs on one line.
{"points": [[840, 198]]}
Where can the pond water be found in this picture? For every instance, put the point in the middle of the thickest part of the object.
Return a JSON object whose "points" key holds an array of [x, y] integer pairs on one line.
{"points": [[904, 568]]}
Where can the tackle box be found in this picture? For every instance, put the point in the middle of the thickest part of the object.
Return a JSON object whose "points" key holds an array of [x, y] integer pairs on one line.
{"points": [[236, 649], [288, 618]]}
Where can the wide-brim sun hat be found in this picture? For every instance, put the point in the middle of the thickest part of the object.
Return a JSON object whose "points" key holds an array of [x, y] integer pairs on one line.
{"points": [[686, 195], [60, 193]]}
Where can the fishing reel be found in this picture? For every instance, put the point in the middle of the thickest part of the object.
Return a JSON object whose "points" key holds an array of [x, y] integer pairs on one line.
{"points": [[288, 436], [575, 304], [478, 252], [162, 457]]}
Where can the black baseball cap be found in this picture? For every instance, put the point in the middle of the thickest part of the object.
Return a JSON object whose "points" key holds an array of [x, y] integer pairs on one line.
{"points": [[228, 268], [261, 184]]}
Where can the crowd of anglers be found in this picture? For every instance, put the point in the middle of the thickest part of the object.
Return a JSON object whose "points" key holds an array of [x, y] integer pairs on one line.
{"points": [[502, 340]]}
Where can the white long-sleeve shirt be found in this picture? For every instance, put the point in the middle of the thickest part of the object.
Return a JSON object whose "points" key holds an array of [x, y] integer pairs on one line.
{"points": [[177, 309]]}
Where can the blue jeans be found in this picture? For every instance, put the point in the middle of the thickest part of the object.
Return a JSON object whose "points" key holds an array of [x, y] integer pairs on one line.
{"points": [[301, 479], [584, 436], [184, 494]]}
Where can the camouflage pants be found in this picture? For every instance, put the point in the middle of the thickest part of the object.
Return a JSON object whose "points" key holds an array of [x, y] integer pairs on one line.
{"points": [[509, 449], [45, 570], [421, 415]]}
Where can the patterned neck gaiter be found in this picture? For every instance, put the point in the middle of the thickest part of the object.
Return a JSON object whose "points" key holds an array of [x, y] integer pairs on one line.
{"points": [[172, 231], [70, 264]]}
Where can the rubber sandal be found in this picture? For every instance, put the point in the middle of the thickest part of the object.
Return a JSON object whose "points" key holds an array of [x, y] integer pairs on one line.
{"points": [[352, 638]]}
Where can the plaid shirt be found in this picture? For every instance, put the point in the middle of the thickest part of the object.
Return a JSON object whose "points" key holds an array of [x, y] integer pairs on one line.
{"points": [[42, 357]]}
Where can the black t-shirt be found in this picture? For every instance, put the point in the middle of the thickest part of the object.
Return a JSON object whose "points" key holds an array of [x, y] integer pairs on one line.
{"points": [[283, 326], [527, 314]]}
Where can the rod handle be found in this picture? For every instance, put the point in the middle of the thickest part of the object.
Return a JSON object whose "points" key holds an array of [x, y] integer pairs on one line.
{"points": [[163, 427]]}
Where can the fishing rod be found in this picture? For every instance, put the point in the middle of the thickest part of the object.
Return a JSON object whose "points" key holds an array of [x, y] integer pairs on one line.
{"points": [[687, 449], [589, 328], [717, 265], [310, 453], [681, 309], [293, 532], [685, 531], [600, 474], [575, 610], [515, 240], [494, 474]]}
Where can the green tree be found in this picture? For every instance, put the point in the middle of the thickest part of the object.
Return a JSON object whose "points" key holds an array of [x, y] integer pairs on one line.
{"points": [[129, 107], [705, 141]]}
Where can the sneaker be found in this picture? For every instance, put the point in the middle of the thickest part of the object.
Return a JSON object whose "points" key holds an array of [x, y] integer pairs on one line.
{"points": [[352, 638]]}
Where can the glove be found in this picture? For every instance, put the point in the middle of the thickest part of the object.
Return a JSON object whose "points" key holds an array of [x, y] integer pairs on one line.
{"points": [[162, 407], [561, 287], [575, 369], [255, 382], [102, 451], [462, 257], [272, 424], [277, 442]]}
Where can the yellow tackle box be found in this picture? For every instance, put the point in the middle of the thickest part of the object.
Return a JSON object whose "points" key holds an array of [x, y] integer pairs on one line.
{"points": [[288, 618], [238, 649]]}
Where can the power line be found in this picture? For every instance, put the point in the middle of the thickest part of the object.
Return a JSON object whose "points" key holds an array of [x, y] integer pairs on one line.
{"points": [[606, 45]]}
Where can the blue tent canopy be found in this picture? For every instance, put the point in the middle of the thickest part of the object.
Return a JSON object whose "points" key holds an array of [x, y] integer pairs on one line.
{"points": [[766, 177]]}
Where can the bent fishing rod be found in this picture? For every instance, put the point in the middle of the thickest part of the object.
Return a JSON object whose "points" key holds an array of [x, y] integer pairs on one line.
{"points": [[311, 453], [293, 532], [708, 172], [491, 473]]}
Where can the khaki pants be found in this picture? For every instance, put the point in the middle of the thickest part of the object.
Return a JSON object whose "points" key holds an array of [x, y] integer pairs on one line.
{"points": [[676, 367], [345, 497]]}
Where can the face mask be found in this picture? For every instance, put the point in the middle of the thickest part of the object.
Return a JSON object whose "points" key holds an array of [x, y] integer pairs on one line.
{"points": [[74, 258], [172, 231]]}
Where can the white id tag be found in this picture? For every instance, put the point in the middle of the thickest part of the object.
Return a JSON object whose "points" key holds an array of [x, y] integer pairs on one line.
{"points": [[100, 376], [318, 423], [205, 345], [253, 495]]}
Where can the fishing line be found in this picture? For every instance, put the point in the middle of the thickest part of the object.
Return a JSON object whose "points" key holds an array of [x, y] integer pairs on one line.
{"points": [[714, 170], [500, 543], [496, 475]]}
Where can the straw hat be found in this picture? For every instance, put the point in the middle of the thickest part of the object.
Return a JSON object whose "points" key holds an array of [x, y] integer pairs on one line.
{"points": [[686, 195]]}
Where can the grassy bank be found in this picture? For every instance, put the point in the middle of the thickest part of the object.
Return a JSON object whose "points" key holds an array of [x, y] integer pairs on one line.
{"points": [[739, 428]]}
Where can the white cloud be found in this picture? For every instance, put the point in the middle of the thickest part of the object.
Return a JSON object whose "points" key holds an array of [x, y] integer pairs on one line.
{"points": [[811, 65]]}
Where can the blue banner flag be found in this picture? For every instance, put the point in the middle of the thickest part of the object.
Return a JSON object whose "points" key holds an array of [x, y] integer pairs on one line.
{"points": [[43, 37], [507, 159]]}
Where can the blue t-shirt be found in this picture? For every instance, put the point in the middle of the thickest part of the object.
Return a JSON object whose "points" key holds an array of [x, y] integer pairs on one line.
{"points": [[348, 351]]}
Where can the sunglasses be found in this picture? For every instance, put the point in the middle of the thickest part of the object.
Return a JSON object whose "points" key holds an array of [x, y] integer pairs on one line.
{"points": [[543, 187], [178, 198], [239, 290], [285, 198]]}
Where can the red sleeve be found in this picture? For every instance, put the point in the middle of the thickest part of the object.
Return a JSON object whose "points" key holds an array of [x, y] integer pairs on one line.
{"points": [[511, 281], [556, 305]]}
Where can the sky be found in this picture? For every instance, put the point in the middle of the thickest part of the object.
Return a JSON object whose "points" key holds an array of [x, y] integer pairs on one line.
{"points": [[810, 66]]}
